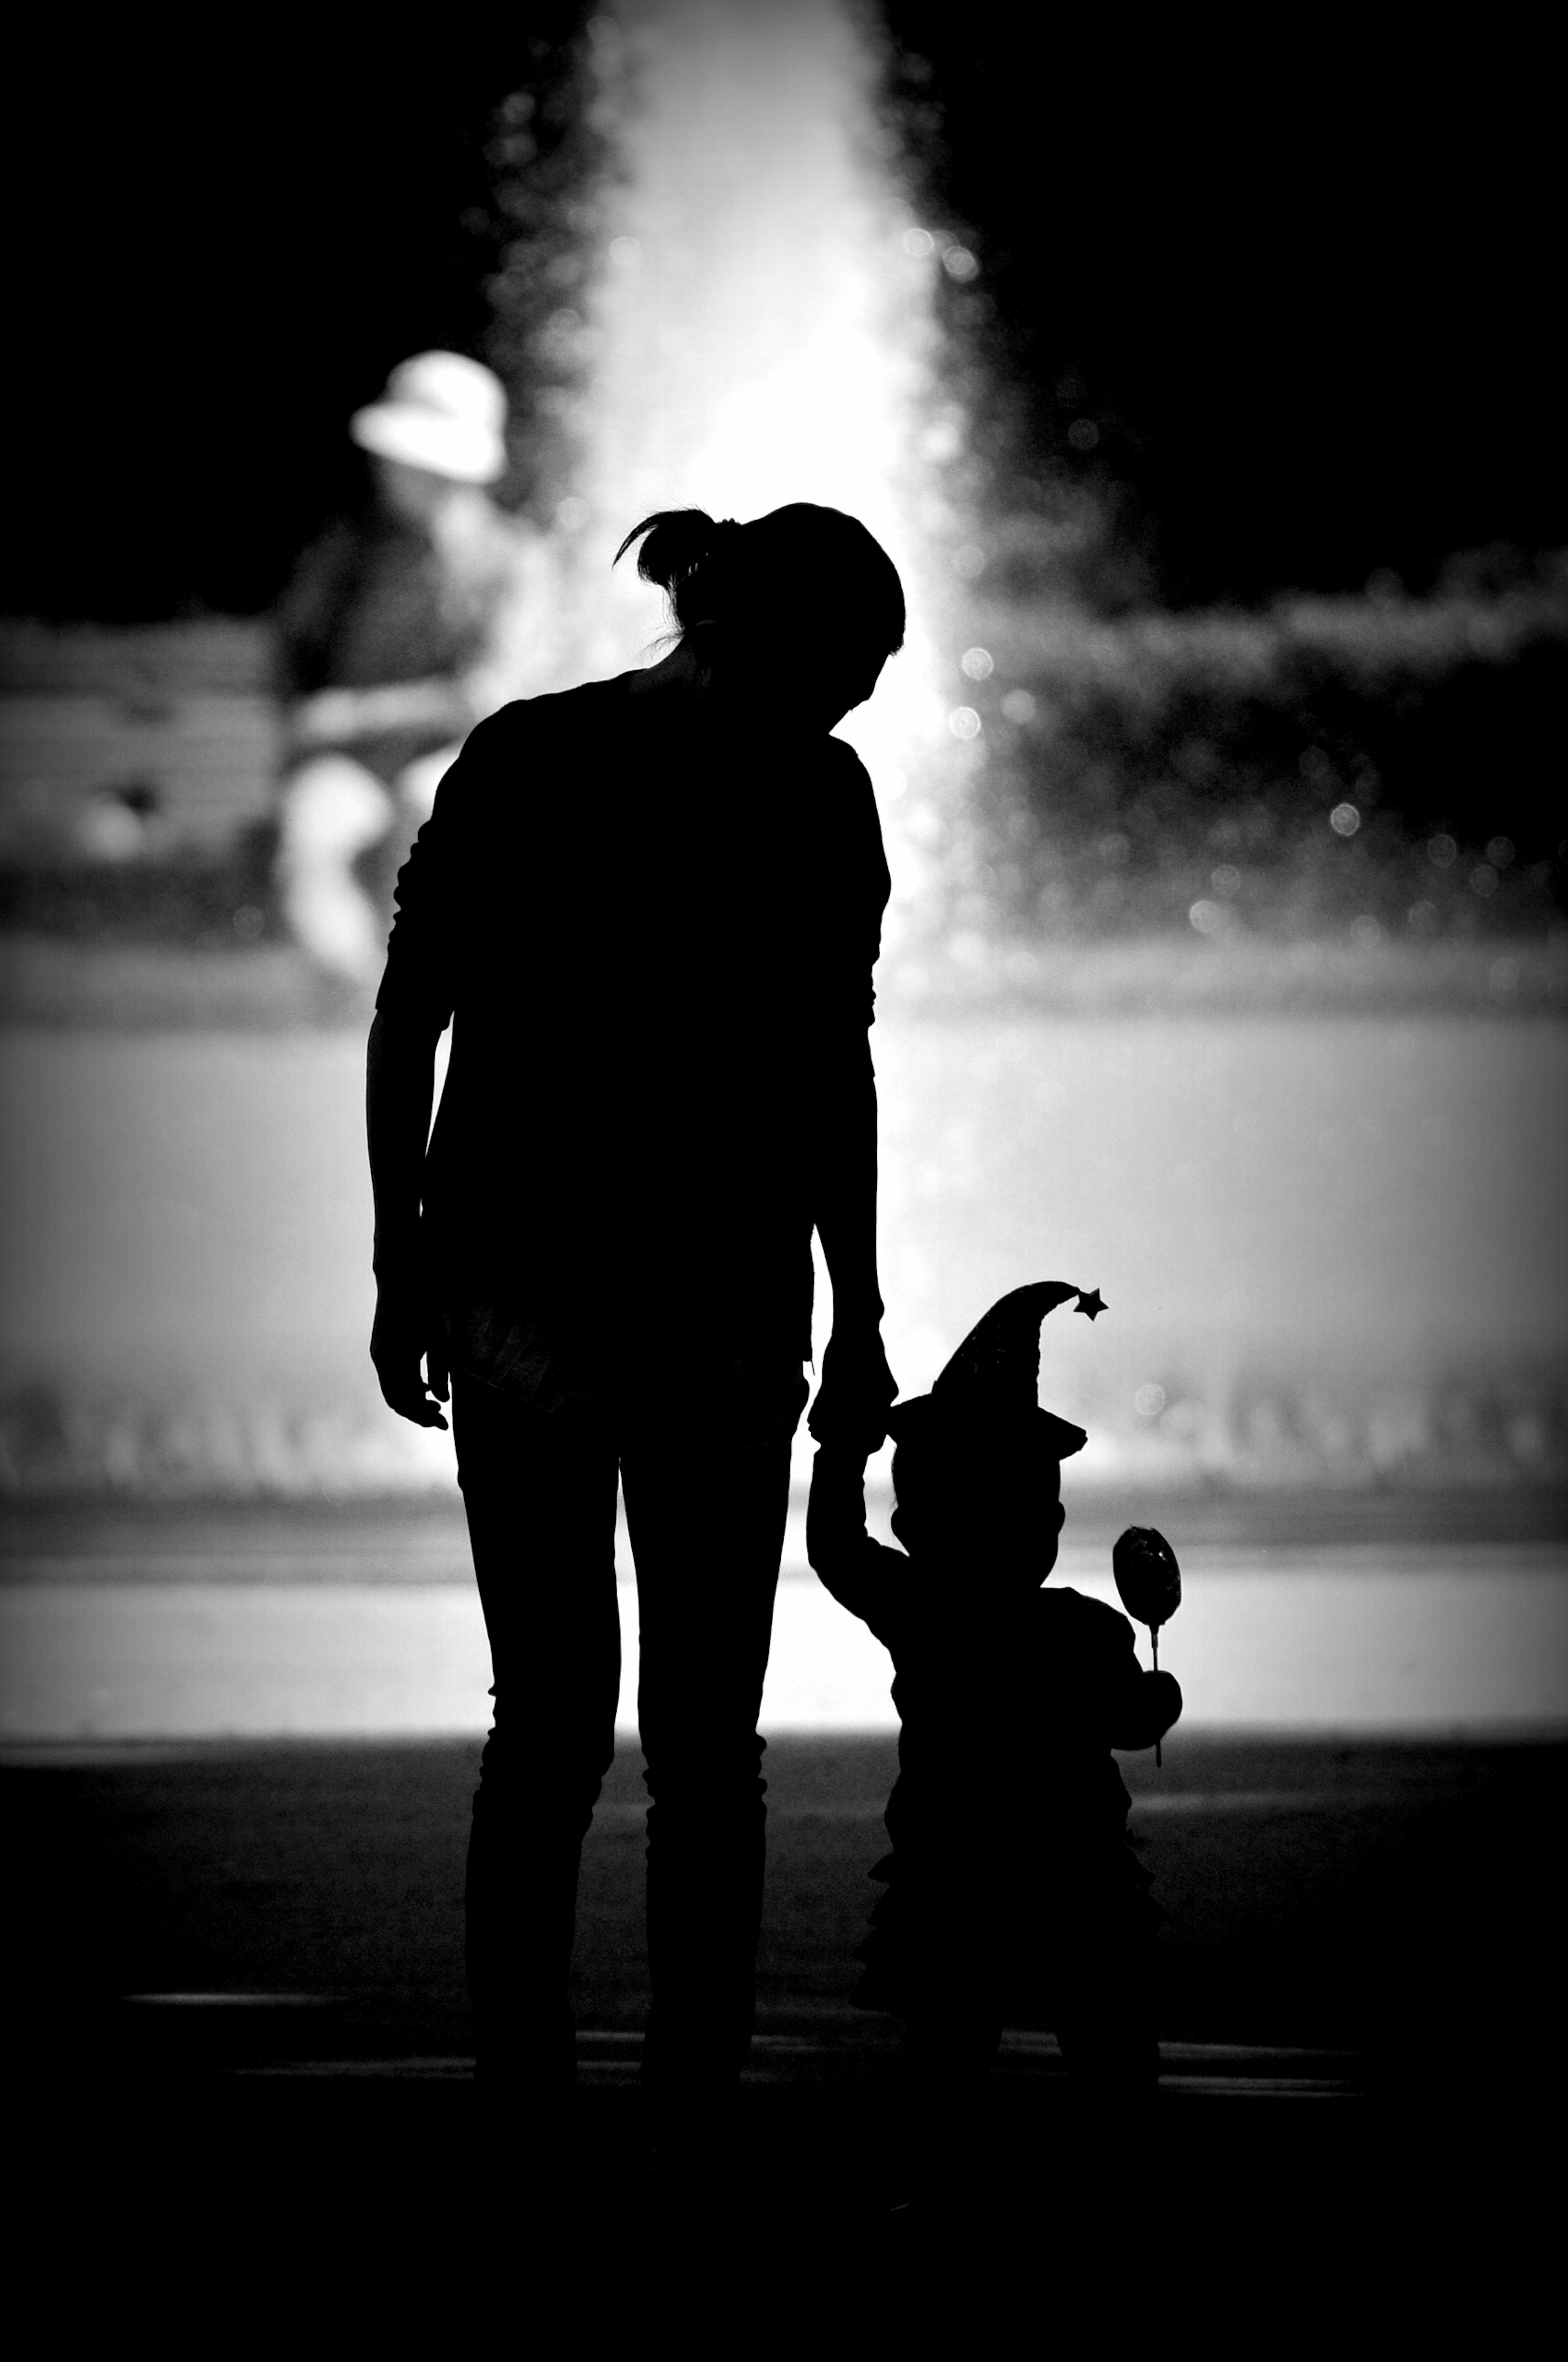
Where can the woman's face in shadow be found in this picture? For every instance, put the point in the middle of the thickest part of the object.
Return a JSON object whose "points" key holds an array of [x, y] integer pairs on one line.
{"points": [[827, 680], [837, 682]]}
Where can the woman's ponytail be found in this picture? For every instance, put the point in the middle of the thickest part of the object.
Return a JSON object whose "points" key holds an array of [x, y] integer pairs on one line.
{"points": [[677, 543], [761, 579]]}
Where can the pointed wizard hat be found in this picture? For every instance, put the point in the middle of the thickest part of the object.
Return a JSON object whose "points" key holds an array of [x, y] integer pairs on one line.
{"points": [[990, 1386]]}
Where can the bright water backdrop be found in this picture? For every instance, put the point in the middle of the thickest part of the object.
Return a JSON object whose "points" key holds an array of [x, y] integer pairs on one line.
{"points": [[1329, 1247]]}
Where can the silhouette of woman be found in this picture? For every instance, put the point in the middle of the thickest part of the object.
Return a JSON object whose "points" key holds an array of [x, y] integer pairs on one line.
{"points": [[650, 908]]}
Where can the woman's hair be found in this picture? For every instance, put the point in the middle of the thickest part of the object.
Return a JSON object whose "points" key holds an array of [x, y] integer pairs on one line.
{"points": [[797, 564]]}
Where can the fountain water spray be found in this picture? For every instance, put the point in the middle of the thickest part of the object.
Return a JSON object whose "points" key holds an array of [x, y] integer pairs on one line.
{"points": [[762, 327]]}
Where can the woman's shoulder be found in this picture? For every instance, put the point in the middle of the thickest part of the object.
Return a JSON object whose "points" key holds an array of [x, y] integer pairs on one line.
{"points": [[530, 725], [555, 709], [844, 765], [845, 808], [845, 785]]}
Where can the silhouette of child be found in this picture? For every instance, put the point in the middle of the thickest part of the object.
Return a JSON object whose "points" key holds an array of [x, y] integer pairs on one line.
{"points": [[1013, 1896]]}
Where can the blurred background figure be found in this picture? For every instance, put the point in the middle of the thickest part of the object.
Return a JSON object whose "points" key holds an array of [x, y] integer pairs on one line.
{"points": [[380, 635]]}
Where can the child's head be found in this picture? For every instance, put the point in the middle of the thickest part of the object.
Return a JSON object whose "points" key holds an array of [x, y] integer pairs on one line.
{"points": [[976, 1465], [991, 1497]]}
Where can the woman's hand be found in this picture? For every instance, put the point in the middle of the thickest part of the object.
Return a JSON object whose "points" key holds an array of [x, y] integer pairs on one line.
{"points": [[856, 1391], [408, 1332]]}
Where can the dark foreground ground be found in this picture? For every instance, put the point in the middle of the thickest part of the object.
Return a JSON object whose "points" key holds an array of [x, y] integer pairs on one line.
{"points": [[237, 2001]]}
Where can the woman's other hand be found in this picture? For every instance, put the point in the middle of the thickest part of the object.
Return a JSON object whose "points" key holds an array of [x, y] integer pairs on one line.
{"points": [[856, 1393], [408, 1346]]}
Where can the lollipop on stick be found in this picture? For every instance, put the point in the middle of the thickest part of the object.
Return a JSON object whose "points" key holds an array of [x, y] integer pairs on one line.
{"points": [[1149, 1581]]}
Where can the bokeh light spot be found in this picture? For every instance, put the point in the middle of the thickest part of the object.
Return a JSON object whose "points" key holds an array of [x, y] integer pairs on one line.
{"points": [[964, 722], [1149, 1401], [1207, 917], [919, 243], [961, 264], [1344, 820], [1441, 852], [626, 249], [943, 439], [1020, 705], [1084, 434], [969, 561], [978, 663]]}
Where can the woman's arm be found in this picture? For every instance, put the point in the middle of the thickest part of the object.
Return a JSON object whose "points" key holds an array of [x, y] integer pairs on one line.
{"points": [[847, 1185], [856, 1385], [413, 1008], [400, 1091]]}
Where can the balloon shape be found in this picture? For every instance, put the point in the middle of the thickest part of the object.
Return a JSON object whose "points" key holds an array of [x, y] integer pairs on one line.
{"points": [[1147, 1577]]}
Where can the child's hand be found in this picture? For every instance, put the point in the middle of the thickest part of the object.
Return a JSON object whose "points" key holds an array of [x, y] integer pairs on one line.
{"points": [[1166, 1700]]}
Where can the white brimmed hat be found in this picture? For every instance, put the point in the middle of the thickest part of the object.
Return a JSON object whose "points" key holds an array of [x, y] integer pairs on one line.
{"points": [[440, 411]]}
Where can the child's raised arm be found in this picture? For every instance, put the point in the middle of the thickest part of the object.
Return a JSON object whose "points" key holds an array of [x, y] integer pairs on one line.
{"points": [[863, 1575]]}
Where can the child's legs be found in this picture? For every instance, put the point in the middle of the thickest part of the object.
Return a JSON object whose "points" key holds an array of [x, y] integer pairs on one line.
{"points": [[1106, 2016], [947, 2051], [540, 1489]]}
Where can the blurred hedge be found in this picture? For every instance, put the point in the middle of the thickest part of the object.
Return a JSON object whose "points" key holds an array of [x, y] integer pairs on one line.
{"points": [[1149, 772], [1139, 767]]}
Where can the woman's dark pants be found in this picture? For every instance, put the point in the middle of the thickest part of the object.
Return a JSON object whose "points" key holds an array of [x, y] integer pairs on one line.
{"points": [[705, 1512]]}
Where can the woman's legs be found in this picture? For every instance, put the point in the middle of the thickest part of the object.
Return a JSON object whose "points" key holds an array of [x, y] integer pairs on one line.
{"points": [[706, 1534], [540, 1490], [948, 2053]]}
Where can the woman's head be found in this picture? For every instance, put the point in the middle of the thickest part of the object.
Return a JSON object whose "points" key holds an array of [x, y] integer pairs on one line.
{"points": [[804, 587]]}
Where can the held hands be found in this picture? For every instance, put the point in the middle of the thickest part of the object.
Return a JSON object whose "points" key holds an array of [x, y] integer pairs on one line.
{"points": [[409, 1330], [856, 1392]]}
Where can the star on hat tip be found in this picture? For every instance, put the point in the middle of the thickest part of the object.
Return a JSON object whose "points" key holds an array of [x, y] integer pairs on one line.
{"points": [[1090, 1303]]}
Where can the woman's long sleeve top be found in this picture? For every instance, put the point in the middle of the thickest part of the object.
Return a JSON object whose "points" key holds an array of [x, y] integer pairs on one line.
{"points": [[655, 933]]}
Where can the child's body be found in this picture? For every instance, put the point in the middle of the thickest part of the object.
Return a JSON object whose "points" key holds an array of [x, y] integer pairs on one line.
{"points": [[1013, 1896]]}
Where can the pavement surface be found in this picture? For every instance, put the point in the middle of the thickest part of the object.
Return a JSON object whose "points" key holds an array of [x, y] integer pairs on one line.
{"points": [[235, 1996], [237, 1993]]}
